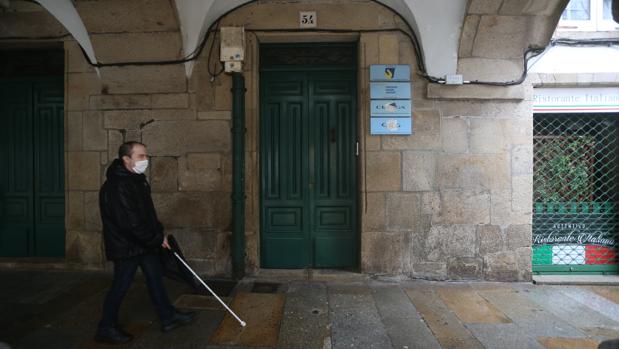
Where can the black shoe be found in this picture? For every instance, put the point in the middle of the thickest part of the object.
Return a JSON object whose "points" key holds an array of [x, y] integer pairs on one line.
{"points": [[112, 335], [178, 319]]}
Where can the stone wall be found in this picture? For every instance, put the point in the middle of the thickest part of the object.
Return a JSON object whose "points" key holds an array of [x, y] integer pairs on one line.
{"points": [[452, 201], [187, 134], [377, 47], [186, 131]]}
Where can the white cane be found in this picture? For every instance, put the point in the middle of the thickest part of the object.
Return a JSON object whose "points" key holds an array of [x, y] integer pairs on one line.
{"points": [[211, 291]]}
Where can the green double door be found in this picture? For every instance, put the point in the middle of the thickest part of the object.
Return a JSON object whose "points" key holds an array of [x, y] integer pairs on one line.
{"points": [[32, 206], [308, 169]]}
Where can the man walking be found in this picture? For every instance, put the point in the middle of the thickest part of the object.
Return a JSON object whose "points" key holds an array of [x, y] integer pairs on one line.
{"points": [[133, 237]]}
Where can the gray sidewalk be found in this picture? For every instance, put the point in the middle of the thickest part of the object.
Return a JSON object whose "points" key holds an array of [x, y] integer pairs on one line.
{"points": [[57, 309]]}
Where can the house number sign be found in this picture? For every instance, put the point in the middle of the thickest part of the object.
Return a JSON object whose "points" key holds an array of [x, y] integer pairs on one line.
{"points": [[307, 19]]}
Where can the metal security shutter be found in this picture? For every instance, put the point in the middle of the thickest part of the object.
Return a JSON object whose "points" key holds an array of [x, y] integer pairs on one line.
{"points": [[575, 196]]}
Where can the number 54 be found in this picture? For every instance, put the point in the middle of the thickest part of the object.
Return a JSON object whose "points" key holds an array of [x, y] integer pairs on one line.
{"points": [[307, 19]]}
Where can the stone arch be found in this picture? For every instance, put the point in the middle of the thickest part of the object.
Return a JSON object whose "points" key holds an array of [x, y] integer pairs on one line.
{"points": [[495, 35]]}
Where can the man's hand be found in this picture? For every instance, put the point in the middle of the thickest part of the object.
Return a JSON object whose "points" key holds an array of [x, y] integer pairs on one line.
{"points": [[165, 243]]}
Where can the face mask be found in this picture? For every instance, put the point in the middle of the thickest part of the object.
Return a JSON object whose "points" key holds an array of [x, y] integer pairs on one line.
{"points": [[140, 166]]}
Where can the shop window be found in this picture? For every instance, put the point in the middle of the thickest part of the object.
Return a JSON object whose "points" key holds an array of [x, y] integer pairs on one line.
{"points": [[575, 193]]}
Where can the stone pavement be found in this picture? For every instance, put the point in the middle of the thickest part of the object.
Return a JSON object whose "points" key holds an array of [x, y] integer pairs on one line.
{"points": [[60, 309]]}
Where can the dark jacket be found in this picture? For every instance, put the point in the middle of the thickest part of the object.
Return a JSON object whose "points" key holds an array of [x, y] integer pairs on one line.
{"points": [[130, 224]]}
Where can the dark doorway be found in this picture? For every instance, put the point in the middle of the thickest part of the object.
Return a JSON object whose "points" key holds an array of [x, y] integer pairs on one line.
{"points": [[32, 198]]}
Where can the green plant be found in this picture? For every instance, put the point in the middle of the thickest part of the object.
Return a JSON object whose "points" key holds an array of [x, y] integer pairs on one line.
{"points": [[563, 167]]}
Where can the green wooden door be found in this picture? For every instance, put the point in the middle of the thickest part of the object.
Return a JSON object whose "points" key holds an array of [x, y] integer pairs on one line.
{"points": [[32, 171], [308, 169]]}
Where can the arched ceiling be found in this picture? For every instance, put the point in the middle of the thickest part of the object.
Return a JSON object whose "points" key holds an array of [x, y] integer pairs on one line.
{"points": [[428, 19], [511, 24]]}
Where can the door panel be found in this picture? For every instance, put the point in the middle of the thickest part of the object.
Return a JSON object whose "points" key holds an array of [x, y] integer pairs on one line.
{"points": [[32, 174], [308, 178], [17, 199], [333, 202], [284, 145], [49, 169]]}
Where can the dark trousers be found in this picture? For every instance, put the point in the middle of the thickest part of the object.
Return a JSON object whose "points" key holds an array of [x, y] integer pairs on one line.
{"points": [[124, 272]]}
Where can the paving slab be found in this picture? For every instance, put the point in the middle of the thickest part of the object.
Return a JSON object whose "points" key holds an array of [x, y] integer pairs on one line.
{"points": [[568, 343], [263, 314], [137, 315], [529, 316], [446, 327], [566, 308], [355, 322], [403, 323], [609, 292], [392, 302], [49, 337], [194, 335], [306, 317], [593, 301], [470, 307], [602, 333], [72, 328], [500, 336], [43, 318]]}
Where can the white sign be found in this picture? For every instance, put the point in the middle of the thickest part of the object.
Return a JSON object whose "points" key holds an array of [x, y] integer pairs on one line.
{"points": [[307, 19], [390, 107], [390, 90], [576, 100]]}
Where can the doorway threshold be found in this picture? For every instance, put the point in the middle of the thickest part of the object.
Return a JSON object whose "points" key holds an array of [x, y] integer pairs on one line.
{"points": [[604, 280], [320, 275]]}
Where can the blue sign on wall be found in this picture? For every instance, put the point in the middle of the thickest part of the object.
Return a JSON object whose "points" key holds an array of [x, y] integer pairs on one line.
{"points": [[391, 126], [390, 90], [397, 72], [390, 107]]}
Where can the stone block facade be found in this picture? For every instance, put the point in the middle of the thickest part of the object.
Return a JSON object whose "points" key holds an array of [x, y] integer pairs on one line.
{"points": [[451, 201]]}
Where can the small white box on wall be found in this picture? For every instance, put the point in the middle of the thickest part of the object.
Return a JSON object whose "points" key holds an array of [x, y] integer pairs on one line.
{"points": [[232, 44]]}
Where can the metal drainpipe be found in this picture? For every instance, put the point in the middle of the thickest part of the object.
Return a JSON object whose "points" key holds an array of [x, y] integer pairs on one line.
{"points": [[238, 171]]}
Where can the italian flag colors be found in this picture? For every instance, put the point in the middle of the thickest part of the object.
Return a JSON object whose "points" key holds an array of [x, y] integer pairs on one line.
{"points": [[573, 254]]}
